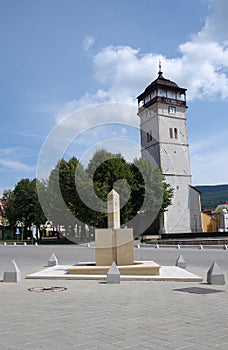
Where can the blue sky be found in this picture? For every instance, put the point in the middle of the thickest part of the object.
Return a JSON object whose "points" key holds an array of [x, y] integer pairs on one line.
{"points": [[59, 56]]}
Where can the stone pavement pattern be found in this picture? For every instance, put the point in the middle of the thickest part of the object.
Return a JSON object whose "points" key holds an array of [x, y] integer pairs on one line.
{"points": [[95, 315]]}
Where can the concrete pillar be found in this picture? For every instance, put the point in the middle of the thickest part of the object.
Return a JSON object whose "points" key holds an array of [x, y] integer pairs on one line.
{"points": [[12, 273], [113, 275], [215, 275]]}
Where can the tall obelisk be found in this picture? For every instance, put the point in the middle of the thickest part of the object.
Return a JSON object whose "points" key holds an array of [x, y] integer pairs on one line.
{"points": [[113, 210]]}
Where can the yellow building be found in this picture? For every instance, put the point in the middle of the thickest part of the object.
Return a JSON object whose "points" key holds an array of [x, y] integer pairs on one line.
{"points": [[210, 223]]}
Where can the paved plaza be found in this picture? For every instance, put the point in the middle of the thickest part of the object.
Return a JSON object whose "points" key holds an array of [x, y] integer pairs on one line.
{"points": [[94, 315]]}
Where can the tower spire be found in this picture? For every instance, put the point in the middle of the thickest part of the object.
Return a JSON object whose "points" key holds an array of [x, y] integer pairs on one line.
{"points": [[160, 71]]}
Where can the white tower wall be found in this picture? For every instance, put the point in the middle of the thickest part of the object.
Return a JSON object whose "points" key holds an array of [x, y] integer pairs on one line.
{"points": [[164, 137]]}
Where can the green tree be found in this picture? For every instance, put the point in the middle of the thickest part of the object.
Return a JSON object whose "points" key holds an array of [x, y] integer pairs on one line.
{"points": [[51, 199], [22, 204], [108, 171], [78, 196], [148, 177], [144, 190], [64, 205], [9, 206]]}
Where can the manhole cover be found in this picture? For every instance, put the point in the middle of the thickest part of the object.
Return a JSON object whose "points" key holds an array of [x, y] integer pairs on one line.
{"points": [[47, 289], [198, 290]]}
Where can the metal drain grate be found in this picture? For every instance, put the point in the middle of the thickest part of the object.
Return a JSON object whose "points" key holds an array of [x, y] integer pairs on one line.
{"points": [[198, 290], [47, 289]]}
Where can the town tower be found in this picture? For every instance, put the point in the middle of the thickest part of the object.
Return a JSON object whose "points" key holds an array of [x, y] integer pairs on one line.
{"points": [[164, 139]]}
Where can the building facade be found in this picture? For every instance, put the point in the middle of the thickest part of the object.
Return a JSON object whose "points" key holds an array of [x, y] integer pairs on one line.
{"points": [[164, 140]]}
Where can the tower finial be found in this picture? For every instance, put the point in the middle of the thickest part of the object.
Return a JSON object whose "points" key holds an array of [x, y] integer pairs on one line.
{"points": [[160, 71]]}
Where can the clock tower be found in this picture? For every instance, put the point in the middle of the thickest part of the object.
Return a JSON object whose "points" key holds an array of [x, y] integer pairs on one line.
{"points": [[164, 140]]}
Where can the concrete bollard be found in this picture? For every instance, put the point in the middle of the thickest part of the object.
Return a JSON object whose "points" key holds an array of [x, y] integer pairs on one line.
{"points": [[138, 245], [201, 247], [88, 245], [215, 275], [14, 243], [178, 246], [25, 243], [53, 261], [113, 275], [157, 246], [12, 273], [225, 246], [5, 243], [36, 244], [180, 262]]}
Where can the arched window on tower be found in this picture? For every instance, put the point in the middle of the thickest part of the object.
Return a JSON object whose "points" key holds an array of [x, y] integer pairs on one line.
{"points": [[171, 133], [175, 133], [148, 136]]}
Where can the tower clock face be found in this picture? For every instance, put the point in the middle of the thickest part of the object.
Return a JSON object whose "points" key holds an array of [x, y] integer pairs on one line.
{"points": [[172, 110]]}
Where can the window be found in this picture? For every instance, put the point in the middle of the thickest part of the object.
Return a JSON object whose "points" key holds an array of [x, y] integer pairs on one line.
{"points": [[175, 133], [171, 94], [148, 136], [147, 98], [162, 92], [171, 133]]}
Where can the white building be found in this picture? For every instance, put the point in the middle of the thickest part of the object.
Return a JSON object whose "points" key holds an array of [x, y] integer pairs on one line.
{"points": [[164, 136], [224, 221]]}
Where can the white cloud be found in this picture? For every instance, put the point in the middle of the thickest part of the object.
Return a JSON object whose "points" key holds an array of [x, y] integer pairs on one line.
{"points": [[88, 42], [202, 67], [9, 150], [87, 126], [15, 165], [215, 28], [123, 73]]}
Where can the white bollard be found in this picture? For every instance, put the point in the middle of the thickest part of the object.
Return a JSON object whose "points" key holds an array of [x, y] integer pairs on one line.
{"points": [[215, 275], [113, 275], [53, 261], [12, 273], [180, 262]]}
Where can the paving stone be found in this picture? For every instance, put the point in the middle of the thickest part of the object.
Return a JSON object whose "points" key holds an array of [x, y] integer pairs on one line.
{"points": [[150, 314]]}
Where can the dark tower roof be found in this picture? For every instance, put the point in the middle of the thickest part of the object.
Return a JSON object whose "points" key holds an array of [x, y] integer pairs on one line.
{"points": [[161, 83]]}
